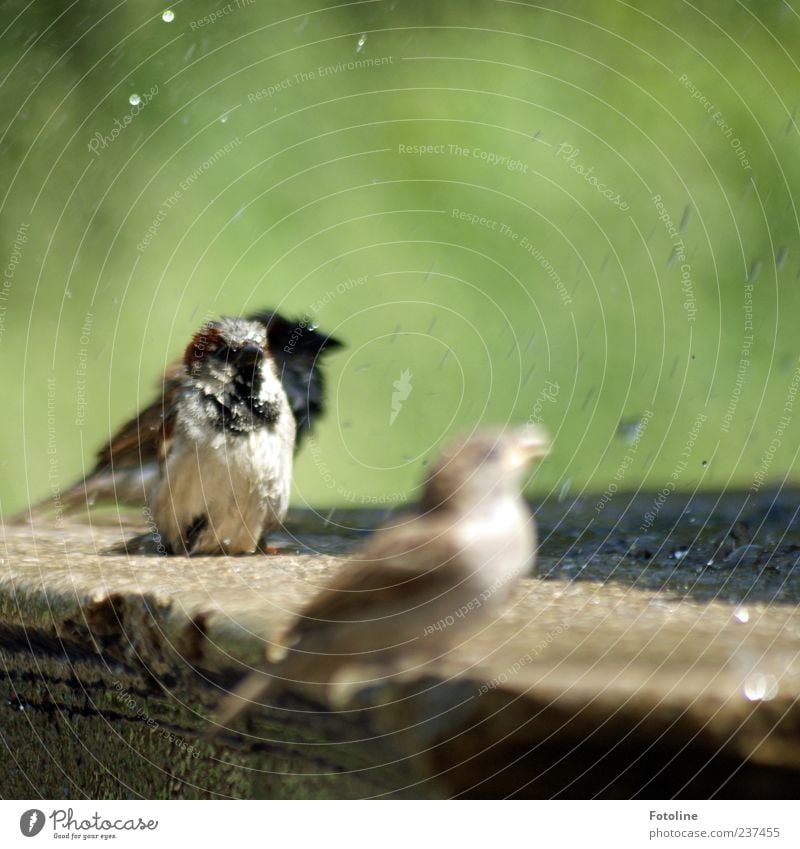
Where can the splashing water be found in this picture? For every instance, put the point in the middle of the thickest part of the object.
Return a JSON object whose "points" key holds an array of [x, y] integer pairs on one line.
{"points": [[742, 614], [760, 688]]}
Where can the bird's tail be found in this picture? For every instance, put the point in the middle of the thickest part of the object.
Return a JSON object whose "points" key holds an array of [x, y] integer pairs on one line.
{"points": [[77, 497], [122, 485]]}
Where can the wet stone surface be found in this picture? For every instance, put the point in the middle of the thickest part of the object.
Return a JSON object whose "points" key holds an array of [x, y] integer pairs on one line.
{"points": [[651, 658], [734, 548]]}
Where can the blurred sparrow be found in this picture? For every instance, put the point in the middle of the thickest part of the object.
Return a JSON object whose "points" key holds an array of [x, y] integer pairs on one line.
{"points": [[131, 465], [419, 586]]}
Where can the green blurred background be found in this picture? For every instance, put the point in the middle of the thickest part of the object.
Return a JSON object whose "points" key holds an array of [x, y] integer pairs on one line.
{"points": [[461, 191]]}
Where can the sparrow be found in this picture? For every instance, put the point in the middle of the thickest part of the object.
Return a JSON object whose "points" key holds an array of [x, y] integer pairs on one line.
{"points": [[129, 465], [420, 585], [226, 472]]}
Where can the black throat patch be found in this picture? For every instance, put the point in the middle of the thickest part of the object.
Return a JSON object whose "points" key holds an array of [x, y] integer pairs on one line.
{"points": [[240, 409]]}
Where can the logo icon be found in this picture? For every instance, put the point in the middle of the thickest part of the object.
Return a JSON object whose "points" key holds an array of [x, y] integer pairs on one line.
{"points": [[31, 822], [402, 389]]}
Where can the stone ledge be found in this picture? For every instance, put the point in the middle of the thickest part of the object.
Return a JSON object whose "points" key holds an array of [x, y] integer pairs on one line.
{"points": [[113, 665]]}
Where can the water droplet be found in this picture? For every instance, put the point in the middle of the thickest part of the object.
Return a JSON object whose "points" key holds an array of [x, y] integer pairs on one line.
{"points": [[754, 270], [564, 491], [685, 219], [361, 42], [68, 295], [760, 688], [704, 463], [631, 429], [742, 614], [168, 16], [680, 553], [134, 100], [780, 259], [673, 257]]}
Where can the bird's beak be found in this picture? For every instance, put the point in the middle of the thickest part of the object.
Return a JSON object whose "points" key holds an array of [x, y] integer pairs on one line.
{"points": [[248, 355], [532, 443]]}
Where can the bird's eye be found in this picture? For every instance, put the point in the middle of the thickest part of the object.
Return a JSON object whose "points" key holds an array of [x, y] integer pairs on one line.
{"points": [[220, 352]]}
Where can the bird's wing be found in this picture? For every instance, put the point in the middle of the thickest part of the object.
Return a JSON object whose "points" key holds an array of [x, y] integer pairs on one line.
{"points": [[352, 619], [398, 570], [127, 465], [142, 439]]}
